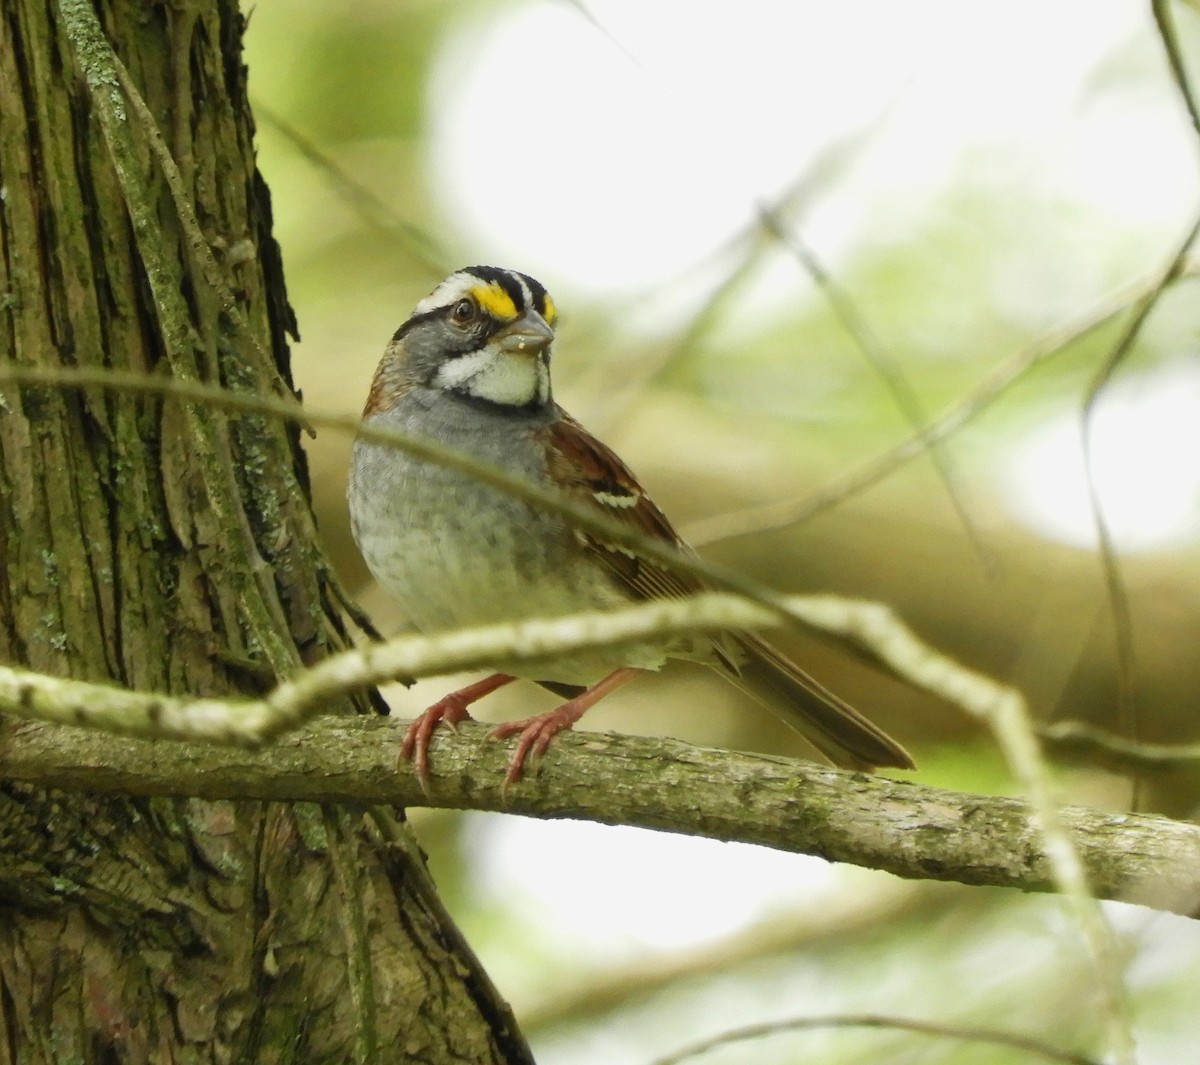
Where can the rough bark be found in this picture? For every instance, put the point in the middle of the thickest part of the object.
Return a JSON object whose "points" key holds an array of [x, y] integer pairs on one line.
{"points": [[172, 548]]}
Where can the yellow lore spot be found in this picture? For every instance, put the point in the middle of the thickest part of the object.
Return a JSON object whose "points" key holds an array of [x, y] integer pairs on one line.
{"points": [[493, 299], [551, 312]]}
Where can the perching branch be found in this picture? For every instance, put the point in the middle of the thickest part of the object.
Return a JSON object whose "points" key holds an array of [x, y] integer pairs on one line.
{"points": [[907, 829], [871, 625]]}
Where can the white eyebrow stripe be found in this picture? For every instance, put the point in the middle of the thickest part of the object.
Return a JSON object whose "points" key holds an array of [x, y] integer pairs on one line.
{"points": [[449, 291]]}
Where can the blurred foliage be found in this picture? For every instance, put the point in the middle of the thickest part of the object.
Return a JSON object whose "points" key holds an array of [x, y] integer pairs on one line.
{"points": [[768, 397]]}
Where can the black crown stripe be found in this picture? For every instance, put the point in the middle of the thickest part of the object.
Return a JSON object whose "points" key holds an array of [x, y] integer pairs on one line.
{"points": [[538, 291], [506, 279]]}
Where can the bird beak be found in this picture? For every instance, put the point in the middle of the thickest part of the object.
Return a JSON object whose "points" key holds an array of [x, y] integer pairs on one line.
{"points": [[528, 335]]}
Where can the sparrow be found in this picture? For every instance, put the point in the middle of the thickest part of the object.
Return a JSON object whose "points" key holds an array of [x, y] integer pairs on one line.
{"points": [[470, 369]]}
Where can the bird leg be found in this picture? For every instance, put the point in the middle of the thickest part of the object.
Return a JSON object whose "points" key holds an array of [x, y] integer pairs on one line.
{"points": [[450, 709], [535, 733]]}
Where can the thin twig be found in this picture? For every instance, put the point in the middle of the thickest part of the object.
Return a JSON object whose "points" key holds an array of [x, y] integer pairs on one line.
{"points": [[888, 371], [1005, 712], [373, 209], [965, 409], [1114, 581], [1078, 742], [989, 1036], [1165, 24], [749, 246], [250, 722]]}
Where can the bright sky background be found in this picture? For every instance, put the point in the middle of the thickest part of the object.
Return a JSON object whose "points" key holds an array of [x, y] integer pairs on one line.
{"points": [[1145, 449], [672, 898], [684, 114]]}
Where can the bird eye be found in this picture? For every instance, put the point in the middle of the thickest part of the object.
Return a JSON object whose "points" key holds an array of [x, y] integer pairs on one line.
{"points": [[463, 312]]}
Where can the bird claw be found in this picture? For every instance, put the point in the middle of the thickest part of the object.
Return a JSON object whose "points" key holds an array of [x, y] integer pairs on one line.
{"points": [[533, 737], [450, 710]]}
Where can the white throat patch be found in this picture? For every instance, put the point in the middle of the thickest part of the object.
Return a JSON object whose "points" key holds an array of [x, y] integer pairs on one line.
{"points": [[511, 380]]}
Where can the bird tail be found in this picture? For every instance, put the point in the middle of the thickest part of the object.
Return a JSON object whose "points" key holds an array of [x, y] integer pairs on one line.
{"points": [[830, 724]]}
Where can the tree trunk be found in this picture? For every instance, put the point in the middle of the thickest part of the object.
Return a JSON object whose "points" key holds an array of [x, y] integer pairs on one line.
{"points": [[172, 548]]}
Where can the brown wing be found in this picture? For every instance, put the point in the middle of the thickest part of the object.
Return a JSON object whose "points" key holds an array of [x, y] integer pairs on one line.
{"points": [[590, 472], [593, 474]]}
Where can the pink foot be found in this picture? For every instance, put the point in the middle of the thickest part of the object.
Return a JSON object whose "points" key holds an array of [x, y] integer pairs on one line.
{"points": [[535, 733], [450, 709]]}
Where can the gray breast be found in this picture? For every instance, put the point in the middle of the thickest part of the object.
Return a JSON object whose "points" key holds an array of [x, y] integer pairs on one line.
{"points": [[455, 552]]}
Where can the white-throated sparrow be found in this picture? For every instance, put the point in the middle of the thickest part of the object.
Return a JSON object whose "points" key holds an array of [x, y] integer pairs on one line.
{"points": [[471, 369]]}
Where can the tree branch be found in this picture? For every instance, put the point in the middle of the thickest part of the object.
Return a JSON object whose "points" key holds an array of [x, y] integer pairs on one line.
{"points": [[907, 829], [1078, 743]]}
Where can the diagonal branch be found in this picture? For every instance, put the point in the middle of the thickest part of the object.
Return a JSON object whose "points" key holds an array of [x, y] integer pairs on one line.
{"points": [[886, 368]]}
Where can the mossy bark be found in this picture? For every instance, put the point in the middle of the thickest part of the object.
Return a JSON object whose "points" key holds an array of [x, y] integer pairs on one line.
{"points": [[172, 548]]}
